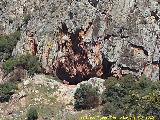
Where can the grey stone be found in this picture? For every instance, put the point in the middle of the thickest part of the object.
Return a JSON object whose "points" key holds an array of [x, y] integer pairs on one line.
{"points": [[132, 26]]}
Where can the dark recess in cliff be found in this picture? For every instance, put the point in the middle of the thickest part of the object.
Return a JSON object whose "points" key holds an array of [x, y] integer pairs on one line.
{"points": [[94, 3], [154, 13], [64, 28], [64, 75], [140, 47], [76, 67], [106, 68]]}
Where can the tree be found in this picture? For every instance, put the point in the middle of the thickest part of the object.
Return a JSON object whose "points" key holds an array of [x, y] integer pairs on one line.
{"points": [[30, 63], [86, 97]]}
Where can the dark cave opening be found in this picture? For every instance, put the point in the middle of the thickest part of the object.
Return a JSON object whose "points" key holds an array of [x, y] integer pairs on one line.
{"points": [[76, 67], [94, 3], [106, 68], [140, 47], [154, 13], [62, 74]]}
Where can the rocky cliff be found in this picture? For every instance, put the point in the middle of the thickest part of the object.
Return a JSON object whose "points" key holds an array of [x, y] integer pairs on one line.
{"points": [[79, 39]]}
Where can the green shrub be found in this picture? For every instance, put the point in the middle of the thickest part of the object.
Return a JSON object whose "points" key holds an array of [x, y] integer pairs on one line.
{"points": [[9, 65], [26, 18], [6, 90], [8, 42], [32, 114], [86, 97], [129, 95], [110, 108], [4, 56], [28, 62]]}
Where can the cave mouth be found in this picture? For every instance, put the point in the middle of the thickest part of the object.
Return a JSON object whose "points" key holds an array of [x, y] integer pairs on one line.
{"points": [[106, 68], [62, 74], [81, 60]]}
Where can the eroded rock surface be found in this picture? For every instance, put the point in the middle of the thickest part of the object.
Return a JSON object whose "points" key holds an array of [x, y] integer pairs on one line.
{"points": [[86, 38]]}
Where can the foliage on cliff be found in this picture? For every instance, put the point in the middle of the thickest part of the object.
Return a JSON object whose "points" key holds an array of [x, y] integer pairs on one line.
{"points": [[28, 62], [6, 90], [8, 43], [128, 95]]}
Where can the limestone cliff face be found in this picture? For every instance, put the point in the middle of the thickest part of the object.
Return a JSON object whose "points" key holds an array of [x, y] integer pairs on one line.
{"points": [[79, 39]]}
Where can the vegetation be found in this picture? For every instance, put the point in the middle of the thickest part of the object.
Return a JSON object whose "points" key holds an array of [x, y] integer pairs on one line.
{"points": [[32, 114], [28, 62], [9, 65], [7, 44], [26, 18], [86, 97], [129, 96], [6, 90]]}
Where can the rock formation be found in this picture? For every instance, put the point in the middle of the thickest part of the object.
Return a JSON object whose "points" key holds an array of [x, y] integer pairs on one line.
{"points": [[79, 39]]}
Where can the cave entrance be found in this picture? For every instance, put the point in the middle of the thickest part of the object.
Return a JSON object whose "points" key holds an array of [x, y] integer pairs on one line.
{"points": [[106, 68], [75, 65], [62, 74]]}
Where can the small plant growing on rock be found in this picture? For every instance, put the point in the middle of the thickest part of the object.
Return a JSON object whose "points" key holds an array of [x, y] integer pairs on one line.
{"points": [[26, 18], [6, 90], [86, 97], [32, 114]]}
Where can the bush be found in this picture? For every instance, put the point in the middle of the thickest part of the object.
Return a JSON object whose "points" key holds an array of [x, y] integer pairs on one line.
{"points": [[26, 18], [4, 56], [32, 114], [8, 42], [86, 97], [129, 95], [6, 90], [9, 65], [28, 62]]}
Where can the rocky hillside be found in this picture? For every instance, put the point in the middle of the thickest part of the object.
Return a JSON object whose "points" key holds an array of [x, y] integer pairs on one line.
{"points": [[80, 39], [52, 99]]}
